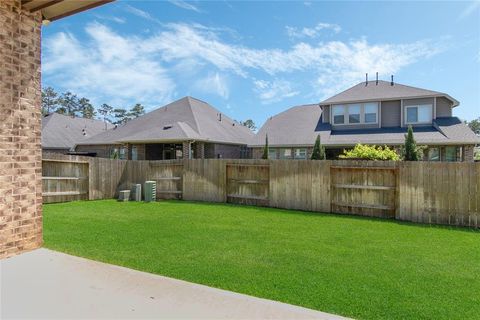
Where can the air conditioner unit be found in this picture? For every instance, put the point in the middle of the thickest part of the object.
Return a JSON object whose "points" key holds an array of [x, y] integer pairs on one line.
{"points": [[137, 192], [150, 191]]}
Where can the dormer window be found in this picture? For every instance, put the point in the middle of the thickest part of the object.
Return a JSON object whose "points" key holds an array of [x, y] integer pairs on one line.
{"points": [[355, 113]]}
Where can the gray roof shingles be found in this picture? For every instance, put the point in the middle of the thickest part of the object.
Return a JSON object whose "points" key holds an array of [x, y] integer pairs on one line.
{"points": [[299, 126], [383, 91], [187, 119], [63, 132]]}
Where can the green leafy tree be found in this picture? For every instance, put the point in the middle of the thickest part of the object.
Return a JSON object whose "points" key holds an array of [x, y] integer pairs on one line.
{"points": [[49, 100], [410, 148], [474, 125], [367, 152], [249, 124], [68, 104], [265, 148], [86, 108], [121, 115], [318, 152], [136, 111]]}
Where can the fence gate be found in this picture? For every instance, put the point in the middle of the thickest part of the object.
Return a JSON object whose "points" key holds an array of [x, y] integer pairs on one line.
{"points": [[169, 179], [364, 190], [64, 180], [248, 184]]}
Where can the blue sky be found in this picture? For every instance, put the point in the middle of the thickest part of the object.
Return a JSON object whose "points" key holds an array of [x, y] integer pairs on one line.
{"points": [[252, 60]]}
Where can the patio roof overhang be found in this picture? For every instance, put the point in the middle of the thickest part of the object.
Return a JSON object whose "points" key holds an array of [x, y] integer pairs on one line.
{"points": [[56, 9]]}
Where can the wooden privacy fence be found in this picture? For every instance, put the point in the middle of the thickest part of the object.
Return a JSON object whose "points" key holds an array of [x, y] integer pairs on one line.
{"points": [[425, 192], [64, 180]]}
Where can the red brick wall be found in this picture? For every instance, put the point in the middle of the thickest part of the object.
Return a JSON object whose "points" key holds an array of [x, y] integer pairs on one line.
{"points": [[20, 128]]}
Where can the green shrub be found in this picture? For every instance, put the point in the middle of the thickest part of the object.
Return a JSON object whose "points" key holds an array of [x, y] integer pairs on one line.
{"points": [[318, 152], [362, 151], [410, 151], [265, 148]]}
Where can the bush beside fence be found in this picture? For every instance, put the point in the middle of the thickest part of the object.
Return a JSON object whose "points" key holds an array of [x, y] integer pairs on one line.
{"points": [[424, 192]]}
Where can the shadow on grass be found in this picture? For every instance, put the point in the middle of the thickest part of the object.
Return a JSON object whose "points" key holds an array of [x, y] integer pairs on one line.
{"points": [[327, 215]]}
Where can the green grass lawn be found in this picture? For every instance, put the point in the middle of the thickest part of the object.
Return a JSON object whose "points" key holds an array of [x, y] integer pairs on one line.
{"points": [[352, 266]]}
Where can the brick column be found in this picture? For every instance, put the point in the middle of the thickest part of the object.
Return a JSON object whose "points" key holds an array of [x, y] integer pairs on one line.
{"points": [[200, 150], [468, 153], [20, 130], [186, 149]]}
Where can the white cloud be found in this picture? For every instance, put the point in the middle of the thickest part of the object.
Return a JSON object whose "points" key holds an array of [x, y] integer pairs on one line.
{"points": [[305, 32], [107, 68], [274, 91], [140, 13], [339, 63], [184, 5], [111, 18], [142, 67], [213, 83], [471, 8]]}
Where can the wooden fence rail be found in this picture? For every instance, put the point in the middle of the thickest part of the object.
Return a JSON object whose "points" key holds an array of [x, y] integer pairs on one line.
{"points": [[424, 192]]}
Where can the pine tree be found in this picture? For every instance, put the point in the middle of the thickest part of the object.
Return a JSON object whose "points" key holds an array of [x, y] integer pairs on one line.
{"points": [[265, 148], [68, 104], [410, 148], [121, 115], [49, 100], [105, 110], [137, 111], [318, 152], [86, 108]]}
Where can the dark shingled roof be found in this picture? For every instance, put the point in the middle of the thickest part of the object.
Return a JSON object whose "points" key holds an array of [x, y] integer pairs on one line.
{"points": [[299, 126], [63, 132], [185, 119], [383, 91]]}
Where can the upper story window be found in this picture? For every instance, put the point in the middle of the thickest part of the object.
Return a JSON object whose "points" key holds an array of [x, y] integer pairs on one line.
{"points": [[371, 112], [354, 113], [357, 113], [419, 114], [339, 114]]}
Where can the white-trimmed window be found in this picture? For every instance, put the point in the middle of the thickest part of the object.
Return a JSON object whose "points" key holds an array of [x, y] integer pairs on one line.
{"points": [[370, 112], [286, 153], [356, 113], [134, 153], [123, 153], [272, 153], [301, 153], [434, 154], [419, 114], [338, 114]]}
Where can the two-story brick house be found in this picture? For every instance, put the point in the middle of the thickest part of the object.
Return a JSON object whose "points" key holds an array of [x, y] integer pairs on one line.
{"points": [[373, 112]]}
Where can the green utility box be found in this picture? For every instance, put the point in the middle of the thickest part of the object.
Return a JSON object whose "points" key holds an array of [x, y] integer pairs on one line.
{"points": [[150, 191]]}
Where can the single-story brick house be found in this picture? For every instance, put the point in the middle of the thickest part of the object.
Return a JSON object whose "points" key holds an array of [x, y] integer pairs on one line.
{"points": [[60, 133], [186, 128], [375, 113]]}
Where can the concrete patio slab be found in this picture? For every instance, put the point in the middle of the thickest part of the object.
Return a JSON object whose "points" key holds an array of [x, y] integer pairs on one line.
{"points": [[48, 284]]}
